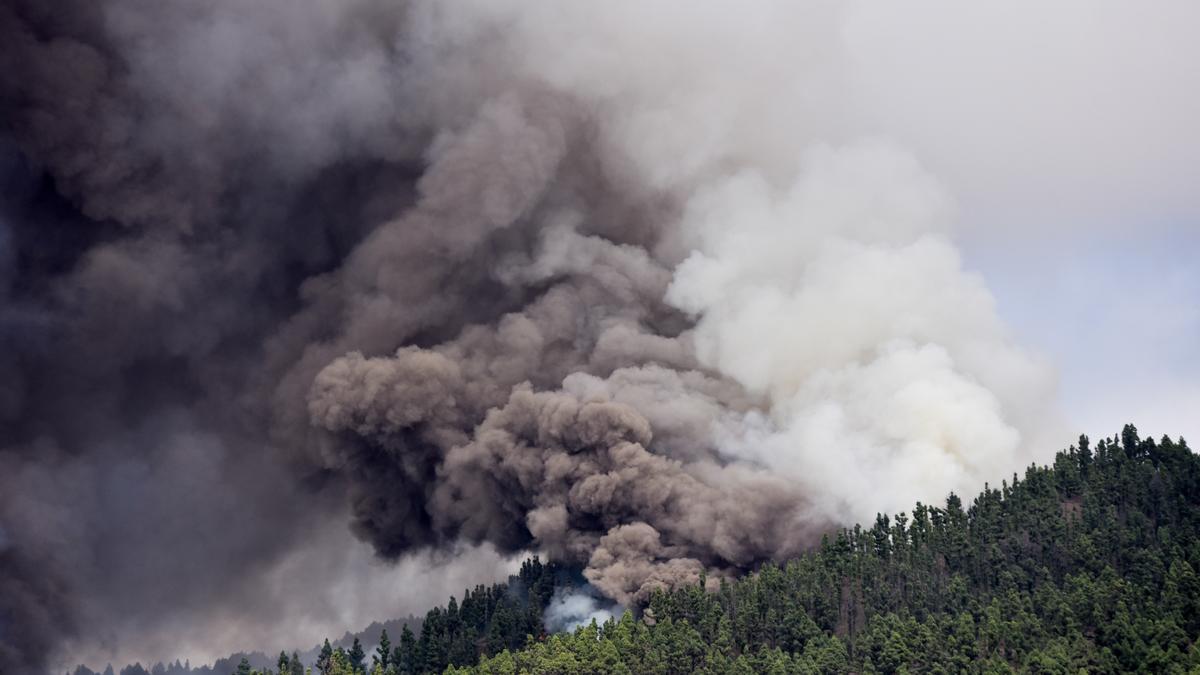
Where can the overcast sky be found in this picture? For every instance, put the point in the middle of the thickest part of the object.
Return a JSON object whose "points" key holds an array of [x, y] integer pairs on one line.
{"points": [[1118, 314], [1067, 134]]}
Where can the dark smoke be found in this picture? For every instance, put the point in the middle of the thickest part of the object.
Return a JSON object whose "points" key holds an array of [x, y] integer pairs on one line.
{"points": [[149, 245], [209, 204], [266, 263]]}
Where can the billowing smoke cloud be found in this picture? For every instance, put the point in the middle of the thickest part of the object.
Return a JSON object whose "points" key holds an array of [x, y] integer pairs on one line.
{"points": [[790, 342], [617, 283], [155, 227]]}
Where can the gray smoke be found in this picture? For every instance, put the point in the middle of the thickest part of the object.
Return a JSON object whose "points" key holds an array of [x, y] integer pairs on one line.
{"points": [[156, 226], [462, 272]]}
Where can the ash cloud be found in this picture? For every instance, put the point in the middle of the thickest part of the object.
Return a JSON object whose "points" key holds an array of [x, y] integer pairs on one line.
{"points": [[458, 275], [790, 331]]}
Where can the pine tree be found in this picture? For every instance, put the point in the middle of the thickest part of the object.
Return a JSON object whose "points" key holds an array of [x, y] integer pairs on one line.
{"points": [[355, 656], [383, 653], [404, 658], [325, 658]]}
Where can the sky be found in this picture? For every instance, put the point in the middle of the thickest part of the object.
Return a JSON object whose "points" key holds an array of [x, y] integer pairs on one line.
{"points": [[1119, 316], [1066, 134]]}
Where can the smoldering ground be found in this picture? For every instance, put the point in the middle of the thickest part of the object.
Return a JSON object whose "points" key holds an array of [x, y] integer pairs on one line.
{"points": [[547, 277]]}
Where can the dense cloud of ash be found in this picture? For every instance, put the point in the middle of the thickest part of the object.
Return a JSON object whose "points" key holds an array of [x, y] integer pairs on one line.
{"points": [[503, 276], [205, 205], [150, 243], [839, 343]]}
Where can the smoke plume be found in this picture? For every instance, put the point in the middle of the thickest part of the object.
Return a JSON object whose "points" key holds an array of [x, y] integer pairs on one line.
{"points": [[606, 282]]}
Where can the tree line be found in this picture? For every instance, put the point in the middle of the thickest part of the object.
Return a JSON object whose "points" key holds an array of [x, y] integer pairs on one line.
{"points": [[1088, 565]]}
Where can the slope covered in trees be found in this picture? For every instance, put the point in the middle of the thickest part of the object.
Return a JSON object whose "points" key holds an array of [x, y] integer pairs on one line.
{"points": [[1088, 565]]}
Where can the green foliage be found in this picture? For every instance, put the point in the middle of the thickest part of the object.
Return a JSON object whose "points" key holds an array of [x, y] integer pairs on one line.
{"points": [[383, 653], [1089, 565], [325, 658], [355, 657], [489, 621]]}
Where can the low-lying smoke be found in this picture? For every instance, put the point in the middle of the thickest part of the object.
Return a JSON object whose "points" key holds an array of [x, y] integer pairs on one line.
{"points": [[571, 608], [468, 273]]}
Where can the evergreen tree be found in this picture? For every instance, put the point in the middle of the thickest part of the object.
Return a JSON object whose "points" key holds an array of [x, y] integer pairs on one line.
{"points": [[404, 657], [325, 658], [355, 657], [383, 653]]}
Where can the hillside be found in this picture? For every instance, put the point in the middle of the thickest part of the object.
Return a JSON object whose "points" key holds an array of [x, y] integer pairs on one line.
{"points": [[1086, 565]]}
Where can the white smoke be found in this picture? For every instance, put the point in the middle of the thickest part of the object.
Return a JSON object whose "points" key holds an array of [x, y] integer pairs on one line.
{"points": [[842, 299], [571, 608], [822, 266]]}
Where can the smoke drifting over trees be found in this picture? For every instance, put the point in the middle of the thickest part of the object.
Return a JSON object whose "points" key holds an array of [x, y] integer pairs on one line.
{"points": [[596, 282]]}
